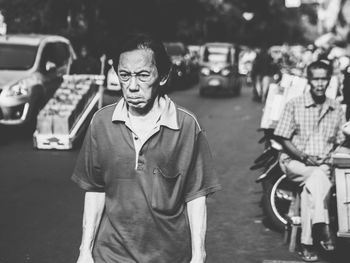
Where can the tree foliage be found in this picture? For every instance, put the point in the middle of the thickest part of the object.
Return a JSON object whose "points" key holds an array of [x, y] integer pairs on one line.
{"points": [[100, 23]]}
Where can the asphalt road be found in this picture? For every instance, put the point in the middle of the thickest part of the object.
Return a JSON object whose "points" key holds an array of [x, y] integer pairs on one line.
{"points": [[41, 209]]}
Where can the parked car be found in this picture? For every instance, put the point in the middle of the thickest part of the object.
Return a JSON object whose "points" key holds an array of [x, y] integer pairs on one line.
{"points": [[219, 69], [112, 78], [180, 76], [31, 69]]}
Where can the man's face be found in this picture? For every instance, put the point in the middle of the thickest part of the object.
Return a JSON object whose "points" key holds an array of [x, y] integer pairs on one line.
{"points": [[139, 79], [318, 81]]}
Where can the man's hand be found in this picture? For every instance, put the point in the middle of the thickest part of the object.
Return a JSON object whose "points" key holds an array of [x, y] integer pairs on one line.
{"points": [[326, 169], [85, 257], [93, 209], [198, 259], [197, 216], [310, 161]]}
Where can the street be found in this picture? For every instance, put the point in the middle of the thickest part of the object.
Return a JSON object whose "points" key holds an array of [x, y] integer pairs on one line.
{"points": [[42, 208], [62, 60]]}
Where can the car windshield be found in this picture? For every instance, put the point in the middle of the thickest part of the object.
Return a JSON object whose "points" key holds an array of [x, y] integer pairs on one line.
{"points": [[17, 57], [175, 50], [217, 54]]}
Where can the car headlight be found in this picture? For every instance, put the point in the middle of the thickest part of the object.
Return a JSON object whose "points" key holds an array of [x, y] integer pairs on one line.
{"points": [[205, 71], [225, 72], [17, 89]]}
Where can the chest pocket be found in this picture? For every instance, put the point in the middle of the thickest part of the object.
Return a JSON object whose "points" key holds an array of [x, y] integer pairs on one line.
{"points": [[166, 190]]}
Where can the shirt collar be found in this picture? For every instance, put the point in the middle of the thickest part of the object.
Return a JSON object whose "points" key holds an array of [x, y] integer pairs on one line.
{"points": [[168, 115], [309, 102]]}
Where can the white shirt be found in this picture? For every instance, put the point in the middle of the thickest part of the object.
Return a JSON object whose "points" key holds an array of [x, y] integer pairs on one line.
{"points": [[143, 127]]}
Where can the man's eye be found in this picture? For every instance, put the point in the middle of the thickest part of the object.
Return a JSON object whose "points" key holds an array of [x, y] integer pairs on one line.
{"points": [[124, 75], [320, 79], [144, 76]]}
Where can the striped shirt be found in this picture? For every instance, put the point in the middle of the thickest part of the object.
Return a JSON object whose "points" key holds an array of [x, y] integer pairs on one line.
{"points": [[313, 129]]}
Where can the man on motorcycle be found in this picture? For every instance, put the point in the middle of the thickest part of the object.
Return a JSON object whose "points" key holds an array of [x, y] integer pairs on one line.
{"points": [[309, 129]]}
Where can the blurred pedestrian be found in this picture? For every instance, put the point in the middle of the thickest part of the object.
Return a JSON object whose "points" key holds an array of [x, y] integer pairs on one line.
{"points": [[146, 167], [309, 130], [85, 63], [264, 71]]}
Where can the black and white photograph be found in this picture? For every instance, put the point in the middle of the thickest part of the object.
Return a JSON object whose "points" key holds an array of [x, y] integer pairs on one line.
{"points": [[174, 131]]}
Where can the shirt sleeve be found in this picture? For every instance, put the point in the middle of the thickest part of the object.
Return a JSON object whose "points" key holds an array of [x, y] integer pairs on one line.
{"points": [[87, 173], [202, 179], [286, 125]]}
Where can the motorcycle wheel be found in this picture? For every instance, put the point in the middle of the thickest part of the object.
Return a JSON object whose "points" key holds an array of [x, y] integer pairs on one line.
{"points": [[278, 193]]}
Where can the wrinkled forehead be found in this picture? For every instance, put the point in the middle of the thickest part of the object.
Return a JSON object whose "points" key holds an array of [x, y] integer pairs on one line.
{"points": [[318, 72], [137, 58]]}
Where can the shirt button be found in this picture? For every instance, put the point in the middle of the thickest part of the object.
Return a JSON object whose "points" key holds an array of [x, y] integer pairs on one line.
{"points": [[136, 138]]}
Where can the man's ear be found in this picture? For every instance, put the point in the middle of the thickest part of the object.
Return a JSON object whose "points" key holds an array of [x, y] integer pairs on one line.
{"points": [[164, 80]]}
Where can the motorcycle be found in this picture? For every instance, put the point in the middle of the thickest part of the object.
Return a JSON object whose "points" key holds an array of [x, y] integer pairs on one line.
{"points": [[277, 189]]}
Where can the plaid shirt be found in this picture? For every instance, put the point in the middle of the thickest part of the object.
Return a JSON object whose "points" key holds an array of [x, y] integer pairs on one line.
{"points": [[313, 129]]}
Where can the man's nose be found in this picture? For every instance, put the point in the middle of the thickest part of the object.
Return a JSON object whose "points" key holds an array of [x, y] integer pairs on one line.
{"points": [[320, 82], [133, 85]]}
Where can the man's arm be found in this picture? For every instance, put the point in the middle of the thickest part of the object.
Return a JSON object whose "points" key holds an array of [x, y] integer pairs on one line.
{"points": [[93, 209], [293, 152], [197, 215]]}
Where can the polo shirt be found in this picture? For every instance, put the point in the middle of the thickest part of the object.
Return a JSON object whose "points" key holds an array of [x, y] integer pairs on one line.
{"points": [[145, 217], [313, 129]]}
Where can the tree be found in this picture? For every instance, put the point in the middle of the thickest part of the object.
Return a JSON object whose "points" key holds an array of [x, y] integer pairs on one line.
{"points": [[101, 23]]}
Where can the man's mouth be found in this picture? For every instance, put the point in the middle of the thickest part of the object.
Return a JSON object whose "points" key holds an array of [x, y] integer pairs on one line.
{"points": [[134, 100]]}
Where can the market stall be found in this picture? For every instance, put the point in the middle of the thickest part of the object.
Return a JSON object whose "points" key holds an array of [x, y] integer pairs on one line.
{"points": [[341, 164], [67, 113]]}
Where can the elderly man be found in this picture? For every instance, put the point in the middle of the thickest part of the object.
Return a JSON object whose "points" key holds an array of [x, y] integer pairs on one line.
{"points": [[146, 167], [309, 129]]}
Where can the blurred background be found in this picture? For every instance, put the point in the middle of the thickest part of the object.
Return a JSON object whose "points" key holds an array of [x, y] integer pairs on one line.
{"points": [[256, 23], [53, 85]]}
